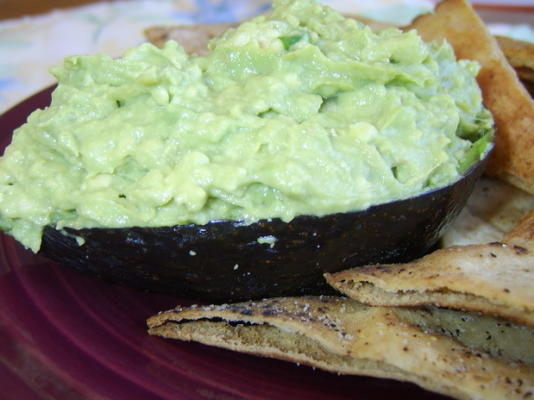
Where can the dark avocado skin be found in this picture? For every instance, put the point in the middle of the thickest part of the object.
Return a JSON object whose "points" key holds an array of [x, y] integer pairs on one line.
{"points": [[159, 259]]}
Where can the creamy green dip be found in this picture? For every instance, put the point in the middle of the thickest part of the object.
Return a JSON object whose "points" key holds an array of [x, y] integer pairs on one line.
{"points": [[299, 112]]}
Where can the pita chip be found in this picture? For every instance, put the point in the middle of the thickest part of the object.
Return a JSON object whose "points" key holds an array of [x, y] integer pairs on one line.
{"points": [[435, 349], [193, 38], [495, 278], [520, 55]]}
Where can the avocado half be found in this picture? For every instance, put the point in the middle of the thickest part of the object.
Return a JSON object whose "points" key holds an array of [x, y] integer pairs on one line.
{"points": [[230, 261]]}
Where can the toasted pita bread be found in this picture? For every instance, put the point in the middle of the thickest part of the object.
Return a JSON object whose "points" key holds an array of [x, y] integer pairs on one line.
{"points": [[193, 38], [344, 336], [495, 278], [520, 55], [504, 95], [493, 209]]}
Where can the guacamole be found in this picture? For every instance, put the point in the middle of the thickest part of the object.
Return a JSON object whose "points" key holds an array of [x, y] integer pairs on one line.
{"points": [[299, 112]]}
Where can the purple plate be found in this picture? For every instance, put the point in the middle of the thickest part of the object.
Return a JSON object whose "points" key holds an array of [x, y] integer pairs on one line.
{"points": [[66, 336]]}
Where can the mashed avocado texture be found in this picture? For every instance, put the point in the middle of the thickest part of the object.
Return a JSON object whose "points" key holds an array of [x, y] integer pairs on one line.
{"points": [[299, 112]]}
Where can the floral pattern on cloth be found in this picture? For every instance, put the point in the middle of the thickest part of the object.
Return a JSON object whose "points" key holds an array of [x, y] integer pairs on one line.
{"points": [[29, 46]]}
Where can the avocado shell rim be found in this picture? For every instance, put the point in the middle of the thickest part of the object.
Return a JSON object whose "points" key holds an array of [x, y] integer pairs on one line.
{"points": [[223, 260]]}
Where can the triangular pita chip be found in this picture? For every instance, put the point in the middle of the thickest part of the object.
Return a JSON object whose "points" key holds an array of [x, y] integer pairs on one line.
{"points": [[520, 55], [495, 278], [193, 38], [344, 336], [493, 209]]}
